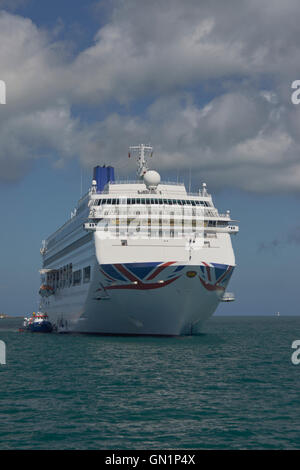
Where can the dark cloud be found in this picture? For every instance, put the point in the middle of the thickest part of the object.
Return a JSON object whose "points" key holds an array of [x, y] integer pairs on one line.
{"points": [[269, 246], [292, 237]]}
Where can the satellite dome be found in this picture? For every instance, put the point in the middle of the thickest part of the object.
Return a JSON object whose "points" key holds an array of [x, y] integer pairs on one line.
{"points": [[151, 179]]}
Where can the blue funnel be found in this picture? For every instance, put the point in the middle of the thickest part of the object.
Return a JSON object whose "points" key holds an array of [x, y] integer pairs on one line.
{"points": [[102, 175]]}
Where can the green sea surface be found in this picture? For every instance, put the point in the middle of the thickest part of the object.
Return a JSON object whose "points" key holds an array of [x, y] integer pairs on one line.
{"points": [[232, 387]]}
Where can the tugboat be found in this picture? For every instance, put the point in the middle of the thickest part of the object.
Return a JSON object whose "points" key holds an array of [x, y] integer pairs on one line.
{"points": [[38, 323]]}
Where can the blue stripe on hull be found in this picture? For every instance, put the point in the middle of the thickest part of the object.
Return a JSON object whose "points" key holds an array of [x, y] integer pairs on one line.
{"points": [[43, 328]]}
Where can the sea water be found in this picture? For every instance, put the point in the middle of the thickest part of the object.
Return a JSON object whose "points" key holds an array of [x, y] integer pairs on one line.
{"points": [[232, 387]]}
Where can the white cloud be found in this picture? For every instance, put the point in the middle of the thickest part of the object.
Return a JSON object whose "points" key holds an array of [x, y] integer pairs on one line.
{"points": [[27, 137], [242, 131]]}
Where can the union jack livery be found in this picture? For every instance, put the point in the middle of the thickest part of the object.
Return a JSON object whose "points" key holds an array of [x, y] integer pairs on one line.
{"points": [[142, 276], [138, 258], [215, 276]]}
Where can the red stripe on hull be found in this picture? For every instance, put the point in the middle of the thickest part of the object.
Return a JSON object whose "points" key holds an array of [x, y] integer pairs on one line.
{"points": [[159, 269]]}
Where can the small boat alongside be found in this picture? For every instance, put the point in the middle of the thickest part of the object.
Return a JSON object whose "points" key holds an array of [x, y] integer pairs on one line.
{"points": [[38, 323]]}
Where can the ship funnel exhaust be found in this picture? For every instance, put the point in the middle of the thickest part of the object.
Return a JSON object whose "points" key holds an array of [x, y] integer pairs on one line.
{"points": [[103, 175]]}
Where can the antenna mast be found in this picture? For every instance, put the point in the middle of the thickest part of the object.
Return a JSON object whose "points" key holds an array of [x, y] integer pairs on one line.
{"points": [[143, 151]]}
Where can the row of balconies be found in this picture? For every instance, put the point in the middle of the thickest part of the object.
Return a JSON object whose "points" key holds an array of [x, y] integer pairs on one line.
{"points": [[155, 225], [98, 212]]}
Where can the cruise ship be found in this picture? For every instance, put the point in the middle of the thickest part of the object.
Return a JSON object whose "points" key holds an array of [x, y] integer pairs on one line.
{"points": [[140, 257]]}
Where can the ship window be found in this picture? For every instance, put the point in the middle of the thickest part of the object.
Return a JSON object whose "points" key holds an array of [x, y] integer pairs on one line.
{"points": [[132, 201], [77, 277], [70, 274], [143, 201], [86, 274]]}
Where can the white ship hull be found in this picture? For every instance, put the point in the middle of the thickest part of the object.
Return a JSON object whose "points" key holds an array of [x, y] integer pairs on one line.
{"points": [[175, 309], [166, 297]]}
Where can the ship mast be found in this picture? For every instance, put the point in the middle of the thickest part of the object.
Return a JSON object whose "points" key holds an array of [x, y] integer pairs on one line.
{"points": [[143, 152]]}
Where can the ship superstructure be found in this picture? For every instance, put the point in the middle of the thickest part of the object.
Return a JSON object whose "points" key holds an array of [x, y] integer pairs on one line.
{"points": [[138, 257]]}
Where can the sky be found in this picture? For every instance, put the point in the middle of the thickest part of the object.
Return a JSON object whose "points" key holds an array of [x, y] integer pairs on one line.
{"points": [[206, 82]]}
